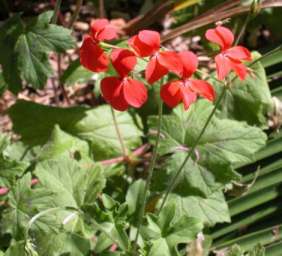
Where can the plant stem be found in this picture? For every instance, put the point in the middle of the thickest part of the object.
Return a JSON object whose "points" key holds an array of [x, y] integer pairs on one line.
{"points": [[76, 13], [56, 11], [123, 148], [243, 29], [54, 21], [65, 94], [150, 173], [101, 9], [174, 179], [107, 45]]}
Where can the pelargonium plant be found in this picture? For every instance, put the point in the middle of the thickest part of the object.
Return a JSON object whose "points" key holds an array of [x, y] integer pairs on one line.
{"points": [[129, 89]]}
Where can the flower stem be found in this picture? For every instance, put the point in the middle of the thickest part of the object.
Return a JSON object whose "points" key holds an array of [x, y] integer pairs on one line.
{"points": [[56, 11], [76, 13], [173, 181], [107, 45], [150, 174], [123, 148]]}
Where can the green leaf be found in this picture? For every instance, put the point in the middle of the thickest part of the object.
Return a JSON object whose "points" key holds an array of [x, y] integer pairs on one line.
{"points": [[257, 251], [63, 243], [9, 33], [113, 229], [75, 73], [134, 196], [4, 142], [35, 123], [23, 204], [10, 170], [33, 45], [32, 62], [211, 167], [63, 144], [25, 47], [248, 100], [155, 246], [195, 178], [50, 36], [71, 184], [217, 151], [210, 210], [235, 251], [170, 229], [17, 249]]}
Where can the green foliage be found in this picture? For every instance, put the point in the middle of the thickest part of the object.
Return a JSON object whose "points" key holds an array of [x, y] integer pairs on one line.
{"points": [[168, 230], [75, 73], [35, 123], [80, 207], [72, 185], [248, 100], [25, 46]]}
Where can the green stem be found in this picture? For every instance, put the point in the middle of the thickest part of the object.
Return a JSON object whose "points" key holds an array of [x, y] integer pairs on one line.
{"points": [[173, 181], [107, 45], [76, 13], [243, 29], [150, 174], [123, 148], [56, 11]]}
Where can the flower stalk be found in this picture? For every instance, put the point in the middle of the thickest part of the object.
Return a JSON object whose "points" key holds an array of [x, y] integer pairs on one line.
{"points": [[150, 174], [173, 181], [123, 148]]}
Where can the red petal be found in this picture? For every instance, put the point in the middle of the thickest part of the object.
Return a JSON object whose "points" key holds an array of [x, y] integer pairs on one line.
{"points": [[92, 56], [102, 30], [123, 61], [239, 53], [171, 61], [223, 66], [203, 88], [135, 92], [111, 88], [98, 24], [220, 35], [140, 49], [154, 71], [108, 33], [190, 63], [119, 103], [146, 43], [239, 69], [170, 93], [188, 96], [150, 38]]}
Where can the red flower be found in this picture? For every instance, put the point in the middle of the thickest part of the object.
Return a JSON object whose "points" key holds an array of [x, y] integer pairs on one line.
{"points": [[186, 89], [123, 61], [230, 58], [91, 54], [123, 91], [101, 30], [147, 43]]}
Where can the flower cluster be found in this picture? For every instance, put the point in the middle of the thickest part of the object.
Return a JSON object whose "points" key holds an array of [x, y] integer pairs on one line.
{"points": [[229, 58], [123, 91]]}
